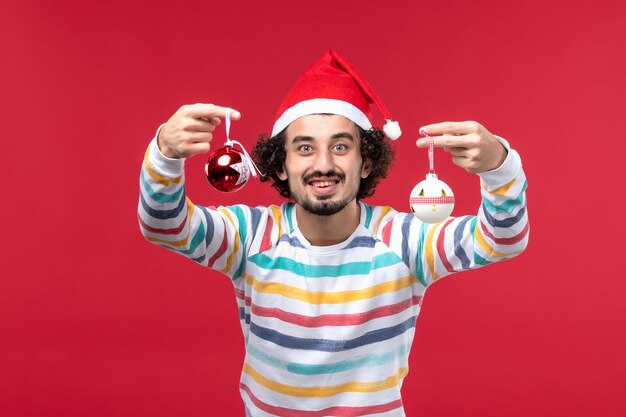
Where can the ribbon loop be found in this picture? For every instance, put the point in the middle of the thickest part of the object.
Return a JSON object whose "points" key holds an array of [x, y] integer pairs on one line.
{"points": [[431, 151], [230, 142], [251, 165], [227, 120]]}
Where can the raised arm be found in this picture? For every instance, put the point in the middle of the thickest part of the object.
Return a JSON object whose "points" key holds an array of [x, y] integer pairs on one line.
{"points": [[167, 217], [499, 230]]}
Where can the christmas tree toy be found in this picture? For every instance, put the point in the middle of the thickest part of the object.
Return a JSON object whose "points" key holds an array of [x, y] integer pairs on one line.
{"points": [[431, 200]]}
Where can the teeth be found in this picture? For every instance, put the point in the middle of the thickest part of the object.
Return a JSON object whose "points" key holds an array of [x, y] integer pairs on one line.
{"points": [[323, 183]]}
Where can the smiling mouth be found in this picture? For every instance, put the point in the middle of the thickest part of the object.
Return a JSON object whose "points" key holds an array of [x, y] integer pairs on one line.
{"points": [[323, 184]]}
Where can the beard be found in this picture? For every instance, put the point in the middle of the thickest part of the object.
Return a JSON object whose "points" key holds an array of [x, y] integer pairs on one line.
{"points": [[323, 206]]}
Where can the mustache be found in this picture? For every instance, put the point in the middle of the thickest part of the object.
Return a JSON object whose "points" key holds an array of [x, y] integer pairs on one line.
{"points": [[319, 174]]}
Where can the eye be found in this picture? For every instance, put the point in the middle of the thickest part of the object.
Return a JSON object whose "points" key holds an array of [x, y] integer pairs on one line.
{"points": [[305, 148], [340, 147]]}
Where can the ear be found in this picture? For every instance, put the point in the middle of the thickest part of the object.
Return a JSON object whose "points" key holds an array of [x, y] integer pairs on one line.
{"points": [[366, 169], [282, 174]]}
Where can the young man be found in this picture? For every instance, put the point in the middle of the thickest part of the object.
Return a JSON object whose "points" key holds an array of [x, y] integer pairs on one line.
{"points": [[328, 287]]}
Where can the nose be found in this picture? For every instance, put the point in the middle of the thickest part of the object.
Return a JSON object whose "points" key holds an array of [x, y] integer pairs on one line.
{"points": [[324, 161]]}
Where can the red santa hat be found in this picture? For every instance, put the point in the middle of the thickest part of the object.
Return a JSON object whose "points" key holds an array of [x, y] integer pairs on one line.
{"points": [[333, 86]]}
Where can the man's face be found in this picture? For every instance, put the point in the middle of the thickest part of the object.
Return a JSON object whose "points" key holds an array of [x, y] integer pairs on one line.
{"points": [[323, 164]]}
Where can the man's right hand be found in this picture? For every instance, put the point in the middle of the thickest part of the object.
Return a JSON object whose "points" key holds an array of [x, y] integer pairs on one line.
{"points": [[189, 131]]}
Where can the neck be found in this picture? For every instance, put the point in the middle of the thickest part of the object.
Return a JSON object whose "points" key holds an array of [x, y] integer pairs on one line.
{"points": [[329, 230]]}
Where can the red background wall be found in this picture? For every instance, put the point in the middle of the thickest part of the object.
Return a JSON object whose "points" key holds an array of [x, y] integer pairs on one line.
{"points": [[94, 321]]}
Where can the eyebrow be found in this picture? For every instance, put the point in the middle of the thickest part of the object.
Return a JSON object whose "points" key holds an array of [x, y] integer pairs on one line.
{"points": [[343, 135], [339, 135]]}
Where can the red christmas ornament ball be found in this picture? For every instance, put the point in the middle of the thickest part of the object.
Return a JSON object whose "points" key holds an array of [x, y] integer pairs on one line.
{"points": [[227, 170]]}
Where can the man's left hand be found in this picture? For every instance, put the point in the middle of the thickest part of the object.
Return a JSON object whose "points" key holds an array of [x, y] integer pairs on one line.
{"points": [[472, 146]]}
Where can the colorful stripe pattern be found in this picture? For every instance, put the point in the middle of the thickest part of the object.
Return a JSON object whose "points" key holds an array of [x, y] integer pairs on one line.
{"points": [[328, 330]]}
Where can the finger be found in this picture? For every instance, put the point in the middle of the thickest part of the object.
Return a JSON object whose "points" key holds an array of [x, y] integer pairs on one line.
{"points": [[212, 120], [445, 141], [451, 128], [457, 151], [460, 161], [200, 137], [200, 147], [209, 111], [200, 125]]}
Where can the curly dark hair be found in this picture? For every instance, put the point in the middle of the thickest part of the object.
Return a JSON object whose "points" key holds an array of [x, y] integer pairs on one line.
{"points": [[269, 154]]}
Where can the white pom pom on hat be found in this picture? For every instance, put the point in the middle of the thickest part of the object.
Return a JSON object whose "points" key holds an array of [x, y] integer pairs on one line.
{"points": [[392, 129], [333, 86]]}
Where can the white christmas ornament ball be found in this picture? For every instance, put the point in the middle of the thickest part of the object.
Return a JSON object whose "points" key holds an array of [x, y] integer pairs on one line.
{"points": [[432, 200]]}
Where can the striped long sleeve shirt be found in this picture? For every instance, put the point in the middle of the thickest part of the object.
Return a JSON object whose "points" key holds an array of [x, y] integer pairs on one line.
{"points": [[328, 330]]}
